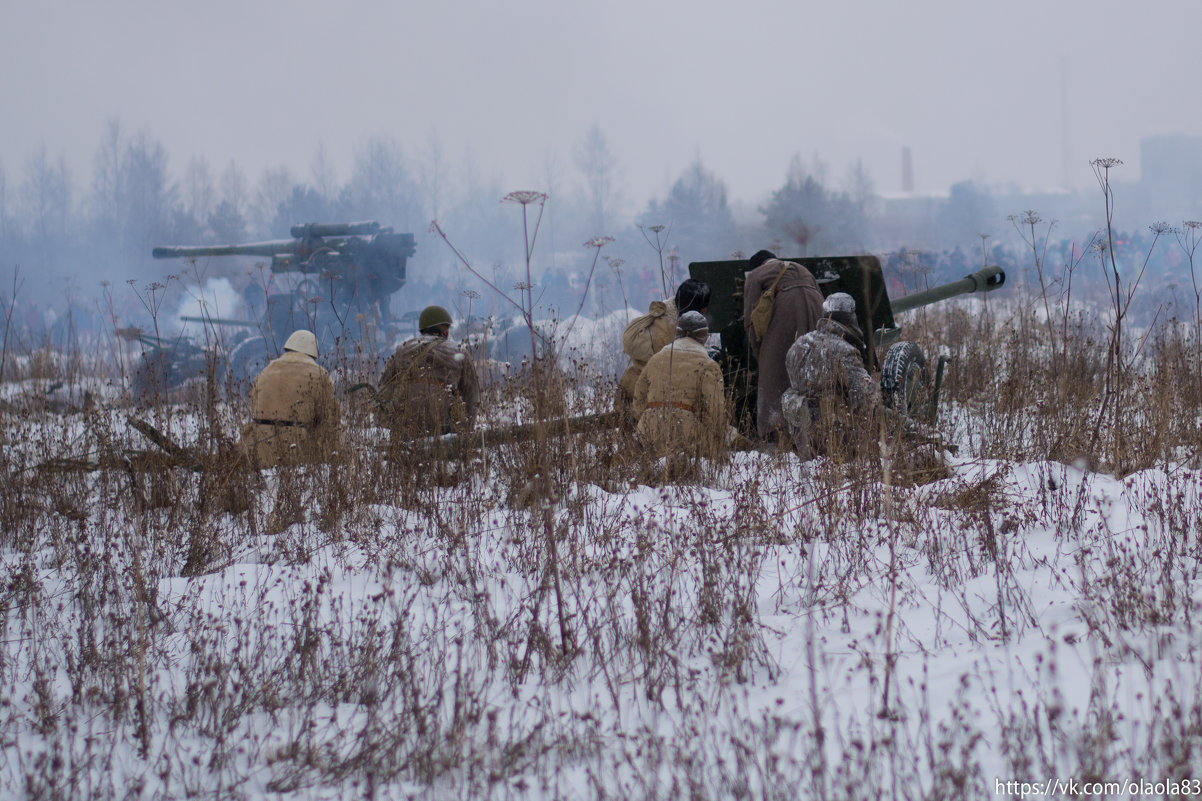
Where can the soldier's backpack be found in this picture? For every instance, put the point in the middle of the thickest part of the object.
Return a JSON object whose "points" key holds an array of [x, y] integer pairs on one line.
{"points": [[636, 339]]}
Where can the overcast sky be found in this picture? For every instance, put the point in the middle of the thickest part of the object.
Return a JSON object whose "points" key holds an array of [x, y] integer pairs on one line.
{"points": [[1022, 91]]}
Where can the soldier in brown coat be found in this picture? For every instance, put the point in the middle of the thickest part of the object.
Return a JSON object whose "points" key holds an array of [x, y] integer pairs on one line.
{"points": [[429, 385], [678, 398], [295, 417], [797, 309], [647, 334]]}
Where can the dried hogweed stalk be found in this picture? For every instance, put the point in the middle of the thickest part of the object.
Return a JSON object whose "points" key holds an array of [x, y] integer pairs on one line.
{"points": [[525, 197]]}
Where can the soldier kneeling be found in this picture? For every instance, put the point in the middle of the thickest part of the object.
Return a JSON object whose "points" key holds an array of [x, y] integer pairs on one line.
{"points": [[678, 398], [295, 416], [832, 403], [429, 385]]}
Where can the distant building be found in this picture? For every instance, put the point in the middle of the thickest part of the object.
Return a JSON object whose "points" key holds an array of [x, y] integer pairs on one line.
{"points": [[1168, 188], [906, 220], [1170, 181]]}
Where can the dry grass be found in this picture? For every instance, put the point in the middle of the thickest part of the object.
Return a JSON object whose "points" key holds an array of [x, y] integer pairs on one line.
{"points": [[534, 619]]}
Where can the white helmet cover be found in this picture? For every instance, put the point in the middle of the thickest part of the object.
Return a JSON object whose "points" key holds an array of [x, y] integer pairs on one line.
{"points": [[302, 341]]}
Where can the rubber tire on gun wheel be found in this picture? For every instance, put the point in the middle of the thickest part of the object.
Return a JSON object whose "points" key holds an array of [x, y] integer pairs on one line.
{"points": [[905, 380], [246, 361], [166, 368]]}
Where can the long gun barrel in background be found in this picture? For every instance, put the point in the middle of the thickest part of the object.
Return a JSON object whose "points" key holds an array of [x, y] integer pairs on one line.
{"points": [[308, 238], [358, 259], [273, 248], [187, 318], [318, 247], [311, 230], [344, 275]]}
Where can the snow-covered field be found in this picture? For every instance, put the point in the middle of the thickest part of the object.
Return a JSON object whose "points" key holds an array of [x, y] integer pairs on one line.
{"points": [[765, 629]]}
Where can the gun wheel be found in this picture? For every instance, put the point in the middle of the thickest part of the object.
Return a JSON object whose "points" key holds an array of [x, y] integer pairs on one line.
{"points": [[164, 369], [246, 361], [905, 380]]}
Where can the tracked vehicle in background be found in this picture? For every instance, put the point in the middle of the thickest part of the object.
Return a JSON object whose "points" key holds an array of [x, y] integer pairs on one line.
{"points": [[348, 273], [907, 383]]}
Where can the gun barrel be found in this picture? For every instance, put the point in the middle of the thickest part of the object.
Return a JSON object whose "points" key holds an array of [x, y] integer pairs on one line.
{"points": [[511, 434], [984, 280], [309, 230], [218, 321], [271, 248]]}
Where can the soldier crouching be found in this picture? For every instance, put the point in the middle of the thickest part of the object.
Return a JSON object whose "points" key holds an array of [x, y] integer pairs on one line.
{"points": [[679, 399], [429, 385], [644, 336], [832, 402], [295, 416]]}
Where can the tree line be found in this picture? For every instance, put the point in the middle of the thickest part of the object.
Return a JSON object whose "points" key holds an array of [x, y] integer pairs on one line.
{"points": [[100, 225]]}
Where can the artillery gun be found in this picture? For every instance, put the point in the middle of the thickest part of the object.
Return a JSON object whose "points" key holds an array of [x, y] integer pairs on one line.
{"points": [[906, 382], [349, 272]]}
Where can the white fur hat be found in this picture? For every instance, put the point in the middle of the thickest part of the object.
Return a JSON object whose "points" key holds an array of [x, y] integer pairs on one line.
{"points": [[692, 323], [839, 302]]}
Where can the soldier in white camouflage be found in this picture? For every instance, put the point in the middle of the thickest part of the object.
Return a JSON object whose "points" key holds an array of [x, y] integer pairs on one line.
{"points": [[832, 400]]}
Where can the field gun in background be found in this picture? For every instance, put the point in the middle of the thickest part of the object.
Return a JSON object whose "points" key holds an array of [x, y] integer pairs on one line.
{"points": [[906, 382], [354, 262], [348, 272]]}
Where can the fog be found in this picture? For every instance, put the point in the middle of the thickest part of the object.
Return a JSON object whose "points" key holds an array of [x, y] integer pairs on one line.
{"points": [[129, 125]]}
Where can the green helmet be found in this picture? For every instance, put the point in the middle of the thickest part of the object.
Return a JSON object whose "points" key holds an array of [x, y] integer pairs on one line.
{"points": [[432, 316]]}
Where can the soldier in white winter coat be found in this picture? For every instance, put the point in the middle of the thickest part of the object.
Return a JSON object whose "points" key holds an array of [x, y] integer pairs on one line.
{"points": [[832, 401]]}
